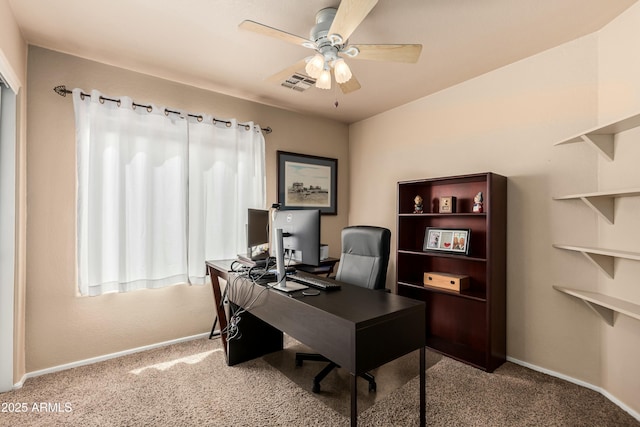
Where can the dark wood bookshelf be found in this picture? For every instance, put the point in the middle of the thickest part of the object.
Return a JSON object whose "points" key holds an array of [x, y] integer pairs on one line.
{"points": [[470, 325]]}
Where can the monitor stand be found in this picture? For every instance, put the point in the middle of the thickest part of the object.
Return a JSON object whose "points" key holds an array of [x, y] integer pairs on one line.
{"points": [[288, 286], [282, 283]]}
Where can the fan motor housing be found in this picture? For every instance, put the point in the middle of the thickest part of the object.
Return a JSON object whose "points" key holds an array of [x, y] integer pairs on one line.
{"points": [[324, 19]]}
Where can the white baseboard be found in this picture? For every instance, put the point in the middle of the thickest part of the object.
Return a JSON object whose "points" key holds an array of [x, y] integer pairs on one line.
{"points": [[581, 383], [59, 368]]}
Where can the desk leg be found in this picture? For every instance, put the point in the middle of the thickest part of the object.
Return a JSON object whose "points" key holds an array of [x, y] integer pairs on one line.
{"points": [[354, 400], [213, 328], [222, 316], [423, 389]]}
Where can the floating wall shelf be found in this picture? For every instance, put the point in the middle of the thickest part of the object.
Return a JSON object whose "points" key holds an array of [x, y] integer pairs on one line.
{"points": [[602, 202], [605, 306], [602, 258], [602, 137]]}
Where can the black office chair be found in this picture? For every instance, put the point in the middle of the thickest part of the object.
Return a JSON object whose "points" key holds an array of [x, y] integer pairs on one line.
{"points": [[363, 262]]}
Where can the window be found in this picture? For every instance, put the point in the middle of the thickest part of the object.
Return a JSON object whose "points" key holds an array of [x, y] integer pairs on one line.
{"points": [[159, 193]]}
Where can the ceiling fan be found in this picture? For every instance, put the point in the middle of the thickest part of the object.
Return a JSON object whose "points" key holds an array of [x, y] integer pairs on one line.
{"points": [[329, 38]]}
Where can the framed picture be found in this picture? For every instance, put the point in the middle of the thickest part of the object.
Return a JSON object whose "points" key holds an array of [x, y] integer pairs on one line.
{"points": [[450, 240], [307, 182]]}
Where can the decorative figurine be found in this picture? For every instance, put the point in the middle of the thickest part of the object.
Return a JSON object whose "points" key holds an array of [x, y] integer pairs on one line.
{"points": [[477, 202], [418, 204]]}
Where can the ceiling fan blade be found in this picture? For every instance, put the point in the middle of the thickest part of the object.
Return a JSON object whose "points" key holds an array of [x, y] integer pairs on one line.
{"points": [[389, 52], [350, 86], [349, 15], [265, 30], [281, 76]]}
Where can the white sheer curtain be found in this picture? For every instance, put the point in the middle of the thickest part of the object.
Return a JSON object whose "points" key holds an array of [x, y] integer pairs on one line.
{"points": [[132, 203], [225, 179], [158, 194]]}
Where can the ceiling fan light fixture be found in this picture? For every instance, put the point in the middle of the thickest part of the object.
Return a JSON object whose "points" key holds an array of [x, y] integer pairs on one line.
{"points": [[341, 71], [324, 80], [315, 66]]}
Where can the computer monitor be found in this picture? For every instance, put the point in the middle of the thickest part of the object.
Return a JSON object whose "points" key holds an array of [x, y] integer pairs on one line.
{"points": [[296, 230], [301, 233], [257, 233]]}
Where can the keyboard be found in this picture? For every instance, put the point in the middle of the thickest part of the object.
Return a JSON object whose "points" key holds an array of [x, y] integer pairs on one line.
{"points": [[316, 282]]}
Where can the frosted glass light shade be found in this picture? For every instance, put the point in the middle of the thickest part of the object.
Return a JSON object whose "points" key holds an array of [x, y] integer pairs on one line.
{"points": [[341, 71], [324, 81], [315, 66]]}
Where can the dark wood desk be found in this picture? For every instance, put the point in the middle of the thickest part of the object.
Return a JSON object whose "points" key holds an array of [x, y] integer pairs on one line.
{"points": [[325, 268], [357, 328]]}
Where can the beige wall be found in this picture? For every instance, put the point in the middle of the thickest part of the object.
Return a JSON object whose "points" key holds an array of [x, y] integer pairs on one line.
{"points": [[507, 122], [13, 50], [64, 328], [619, 74], [12, 45]]}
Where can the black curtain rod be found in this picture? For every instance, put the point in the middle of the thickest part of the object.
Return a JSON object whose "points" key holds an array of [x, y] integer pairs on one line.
{"points": [[63, 91]]}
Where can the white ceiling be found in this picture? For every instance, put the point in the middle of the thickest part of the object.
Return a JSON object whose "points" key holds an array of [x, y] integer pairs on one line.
{"points": [[198, 42]]}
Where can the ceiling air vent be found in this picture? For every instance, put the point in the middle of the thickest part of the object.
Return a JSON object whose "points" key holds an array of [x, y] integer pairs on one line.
{"points": [[299, 82]]}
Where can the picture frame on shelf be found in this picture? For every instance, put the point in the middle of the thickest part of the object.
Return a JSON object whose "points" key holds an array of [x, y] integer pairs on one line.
{"points": [[307, 182], [447, 240]]}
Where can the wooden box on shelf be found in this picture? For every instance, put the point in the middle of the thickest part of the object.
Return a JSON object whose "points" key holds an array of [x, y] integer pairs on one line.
{"points": [[452, 282]]}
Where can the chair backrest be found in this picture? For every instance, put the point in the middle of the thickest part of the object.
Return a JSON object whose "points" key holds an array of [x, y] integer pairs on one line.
{"points": [[365, 256]]}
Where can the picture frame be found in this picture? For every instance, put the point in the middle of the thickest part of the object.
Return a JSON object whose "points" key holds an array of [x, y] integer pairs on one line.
{"points": [[448, 240], [307, 182]]}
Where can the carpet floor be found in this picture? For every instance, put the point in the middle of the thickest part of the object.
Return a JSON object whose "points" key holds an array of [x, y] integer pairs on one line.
{"points": [[189, 384]]}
